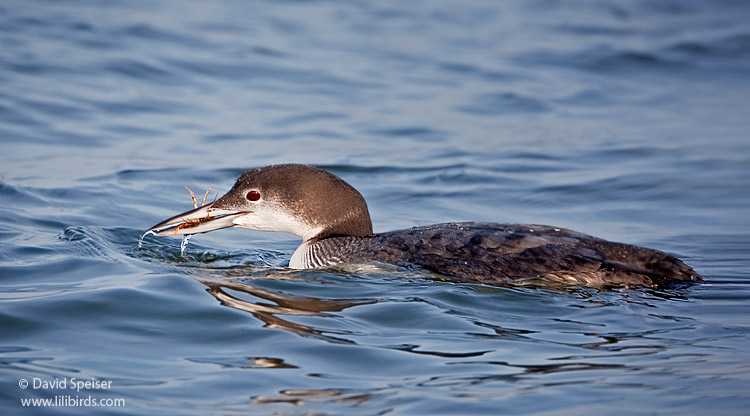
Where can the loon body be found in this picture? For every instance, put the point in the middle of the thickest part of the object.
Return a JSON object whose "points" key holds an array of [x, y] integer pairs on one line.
{"points": [[333, 220]]}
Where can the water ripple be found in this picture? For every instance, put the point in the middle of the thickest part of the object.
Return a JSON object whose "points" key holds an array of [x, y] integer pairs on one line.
{"points": [[626, 120], [504, 103]]}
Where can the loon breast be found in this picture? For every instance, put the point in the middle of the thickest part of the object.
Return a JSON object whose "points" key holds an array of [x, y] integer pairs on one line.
{"points": [[334, 222]]}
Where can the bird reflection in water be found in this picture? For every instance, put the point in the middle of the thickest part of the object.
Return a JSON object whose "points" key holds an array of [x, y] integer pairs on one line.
{"points": [[300, 397], [268, 306]]}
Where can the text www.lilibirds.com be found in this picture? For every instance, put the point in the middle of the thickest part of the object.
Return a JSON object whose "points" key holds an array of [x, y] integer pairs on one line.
{"points": [[60, 387]]}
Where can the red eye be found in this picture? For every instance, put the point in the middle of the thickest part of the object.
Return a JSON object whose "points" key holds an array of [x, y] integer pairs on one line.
{"points": [[253, 196]]}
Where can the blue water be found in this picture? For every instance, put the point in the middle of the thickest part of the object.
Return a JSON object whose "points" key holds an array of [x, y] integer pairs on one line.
{"points": [[628, 120]]}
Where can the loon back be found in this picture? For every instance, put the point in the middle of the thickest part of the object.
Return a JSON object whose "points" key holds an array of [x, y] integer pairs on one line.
{"points": [[333, 220], [494, 254]]}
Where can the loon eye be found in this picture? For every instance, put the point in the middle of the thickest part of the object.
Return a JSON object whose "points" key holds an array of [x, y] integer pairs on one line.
{"points": [[253, 196]]}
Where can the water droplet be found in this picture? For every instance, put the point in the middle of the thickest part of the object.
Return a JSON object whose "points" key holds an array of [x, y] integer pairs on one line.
{"points": [[184, 243]]}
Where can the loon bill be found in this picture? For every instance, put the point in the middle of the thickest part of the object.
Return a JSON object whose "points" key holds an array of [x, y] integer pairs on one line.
{"points": [[335, 226]]}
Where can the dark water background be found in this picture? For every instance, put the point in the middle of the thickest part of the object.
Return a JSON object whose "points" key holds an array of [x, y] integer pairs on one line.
{"points": [[629, 120]]}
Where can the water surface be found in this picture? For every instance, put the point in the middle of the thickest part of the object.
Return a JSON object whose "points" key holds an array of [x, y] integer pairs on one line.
{"points": [[627, 120]]}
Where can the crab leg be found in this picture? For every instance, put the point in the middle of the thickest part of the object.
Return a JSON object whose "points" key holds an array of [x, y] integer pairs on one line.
{"points": [[195, 200], [206, 195]]}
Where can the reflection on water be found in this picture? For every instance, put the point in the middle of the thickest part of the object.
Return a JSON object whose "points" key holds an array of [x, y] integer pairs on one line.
{"points": [[248, 362], [301, 397], [251, 299]]}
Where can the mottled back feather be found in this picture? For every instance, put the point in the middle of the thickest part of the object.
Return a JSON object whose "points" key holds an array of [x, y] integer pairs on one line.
{"points": [[511, 253]]}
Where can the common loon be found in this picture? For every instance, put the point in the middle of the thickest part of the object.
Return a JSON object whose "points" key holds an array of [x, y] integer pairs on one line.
{"points": [[335, 226]]}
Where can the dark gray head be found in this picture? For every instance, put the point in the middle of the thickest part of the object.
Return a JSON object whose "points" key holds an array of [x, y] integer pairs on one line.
{"points": [[297, 199]]}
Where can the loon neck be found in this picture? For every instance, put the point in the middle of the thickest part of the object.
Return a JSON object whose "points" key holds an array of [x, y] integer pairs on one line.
{"points": [[301, 258], [328, 251], [307, 256]]}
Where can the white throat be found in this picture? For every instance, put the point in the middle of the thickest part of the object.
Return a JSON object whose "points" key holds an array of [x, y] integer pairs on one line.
{"points": [[266, 218]]}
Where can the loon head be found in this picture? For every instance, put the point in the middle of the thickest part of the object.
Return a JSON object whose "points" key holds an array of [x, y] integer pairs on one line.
{"points": [[297, 199]]}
